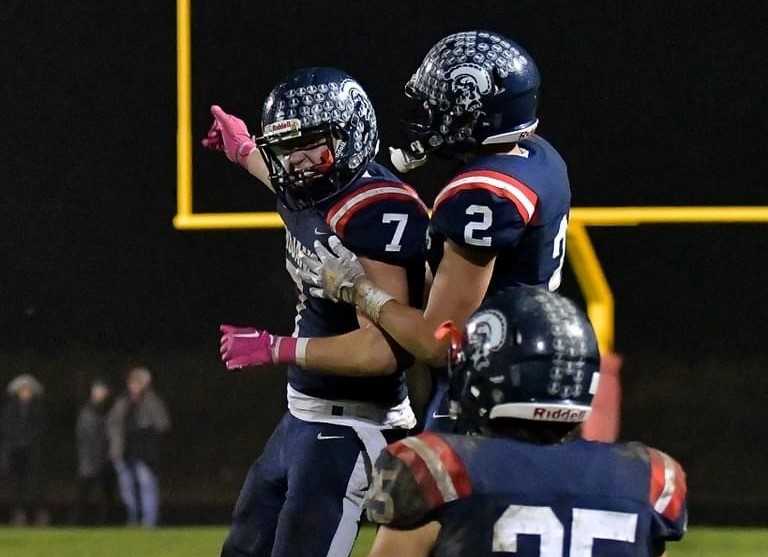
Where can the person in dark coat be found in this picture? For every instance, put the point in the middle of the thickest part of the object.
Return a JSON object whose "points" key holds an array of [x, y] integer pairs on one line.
{"points": [[94, 469], [135, 427], [21, 449]]}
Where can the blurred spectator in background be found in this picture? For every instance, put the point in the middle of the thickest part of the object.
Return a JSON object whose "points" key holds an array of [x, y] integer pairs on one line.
{"points": [[135, 426], [21, 449], [94, 469]]}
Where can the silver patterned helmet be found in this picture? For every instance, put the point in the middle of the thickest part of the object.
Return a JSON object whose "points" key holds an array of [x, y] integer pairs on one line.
{"points": [[319, 134], [473, 88]]}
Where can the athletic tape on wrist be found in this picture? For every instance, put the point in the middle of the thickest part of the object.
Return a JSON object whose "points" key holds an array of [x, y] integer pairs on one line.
{"points": [[370, 299], [301, 351]]}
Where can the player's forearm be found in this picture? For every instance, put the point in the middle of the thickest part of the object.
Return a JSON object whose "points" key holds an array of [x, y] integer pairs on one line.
{"points": [[418, 542], [364, 352], [255, 165], [406, 325], [413, 332]]}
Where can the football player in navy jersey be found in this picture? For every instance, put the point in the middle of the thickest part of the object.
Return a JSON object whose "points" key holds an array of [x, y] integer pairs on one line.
{"points": [[303, 495], [522, 482], [500, 221]]}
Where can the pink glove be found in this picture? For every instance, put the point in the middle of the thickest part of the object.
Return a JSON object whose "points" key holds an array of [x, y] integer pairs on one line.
{"points": [[229, 134], [245, 346]]}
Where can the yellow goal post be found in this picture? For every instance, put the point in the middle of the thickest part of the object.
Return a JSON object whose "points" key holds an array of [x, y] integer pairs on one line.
{"points": [[581, 252]]}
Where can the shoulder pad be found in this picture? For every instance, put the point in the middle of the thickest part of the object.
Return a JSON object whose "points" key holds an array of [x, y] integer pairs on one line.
{"points": [[503, 186], [384, 220], [413, 478], [484, 209], [668, 487]]}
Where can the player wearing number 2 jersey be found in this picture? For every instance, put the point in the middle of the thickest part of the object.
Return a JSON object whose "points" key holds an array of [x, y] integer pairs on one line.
{"points": [[514, 205], [522, 483], [500, 221]]}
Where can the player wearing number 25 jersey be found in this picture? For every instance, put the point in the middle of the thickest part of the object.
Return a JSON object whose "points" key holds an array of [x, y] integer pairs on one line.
{"points": [[521, 482]]}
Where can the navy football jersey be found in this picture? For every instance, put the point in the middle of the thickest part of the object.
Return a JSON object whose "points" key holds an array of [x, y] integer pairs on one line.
{"points": [[496, 496], [513, 205], [380, 218]]}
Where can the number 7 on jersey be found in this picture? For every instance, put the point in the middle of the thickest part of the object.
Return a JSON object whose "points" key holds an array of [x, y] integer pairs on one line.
{"points": [[401, 219]]}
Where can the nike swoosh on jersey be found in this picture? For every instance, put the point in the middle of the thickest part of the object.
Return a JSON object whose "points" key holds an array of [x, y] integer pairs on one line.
{"points": [[320, 232], [435, 415], [321, 437]]}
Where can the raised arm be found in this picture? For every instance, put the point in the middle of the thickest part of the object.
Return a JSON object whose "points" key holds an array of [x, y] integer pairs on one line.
{"points": [[229, 133]]}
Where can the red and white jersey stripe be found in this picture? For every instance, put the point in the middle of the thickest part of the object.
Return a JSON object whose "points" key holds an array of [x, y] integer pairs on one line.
{"points": [[668, 487], [340, 214], [435, 466], [502, 185]]}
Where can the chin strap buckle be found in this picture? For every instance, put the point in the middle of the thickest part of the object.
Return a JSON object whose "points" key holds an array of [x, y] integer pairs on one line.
{"points": [[405, 160]]}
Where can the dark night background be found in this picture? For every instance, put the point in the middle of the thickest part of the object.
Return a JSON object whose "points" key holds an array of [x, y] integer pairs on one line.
{"points": [[651, 103]]}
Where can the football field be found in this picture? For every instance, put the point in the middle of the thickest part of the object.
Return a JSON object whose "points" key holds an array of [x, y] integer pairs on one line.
{"points": [[205, 542]]}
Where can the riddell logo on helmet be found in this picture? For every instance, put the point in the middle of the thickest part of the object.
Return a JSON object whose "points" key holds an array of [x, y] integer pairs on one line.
{"points": [[282, 126], [559, 415]]}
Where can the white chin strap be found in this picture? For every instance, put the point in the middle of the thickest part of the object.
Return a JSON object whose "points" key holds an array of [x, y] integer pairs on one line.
{"points": [[404, 161], [512, 137]]}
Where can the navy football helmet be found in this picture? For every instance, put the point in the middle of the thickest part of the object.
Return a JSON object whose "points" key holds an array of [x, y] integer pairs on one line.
{"points": [[473, 88], [527, 354], [323, 111]]}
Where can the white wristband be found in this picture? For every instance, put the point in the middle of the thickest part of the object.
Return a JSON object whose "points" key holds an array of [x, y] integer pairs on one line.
{"points": [[370, 299], [301, 351]]}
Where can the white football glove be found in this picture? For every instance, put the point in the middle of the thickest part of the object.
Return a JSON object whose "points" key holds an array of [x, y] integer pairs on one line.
{"points": [[333, 273]]}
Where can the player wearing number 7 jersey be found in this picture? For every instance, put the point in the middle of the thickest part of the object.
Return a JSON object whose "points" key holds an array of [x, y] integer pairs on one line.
{"points": [[522, 482], [303, 496]]}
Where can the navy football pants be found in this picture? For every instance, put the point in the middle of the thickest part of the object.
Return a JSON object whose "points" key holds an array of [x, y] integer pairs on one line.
{"points": [[303, 496], [437, 414]]}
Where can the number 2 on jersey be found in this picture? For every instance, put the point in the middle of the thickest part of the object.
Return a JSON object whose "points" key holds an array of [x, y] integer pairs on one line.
{"points": [[558, 252], [473, 226], [587, 525]]}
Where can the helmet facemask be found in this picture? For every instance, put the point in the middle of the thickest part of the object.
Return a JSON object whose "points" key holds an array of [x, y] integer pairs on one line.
{"points": [[302, 162], [429, 126], [312, 112]]}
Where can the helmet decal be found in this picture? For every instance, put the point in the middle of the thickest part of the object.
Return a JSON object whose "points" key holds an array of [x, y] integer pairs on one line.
{"points": [[469, 82], [363, 139], [486, 333]]}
